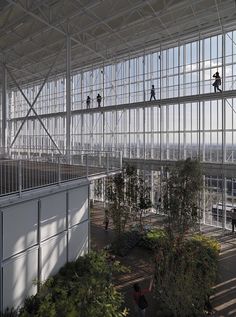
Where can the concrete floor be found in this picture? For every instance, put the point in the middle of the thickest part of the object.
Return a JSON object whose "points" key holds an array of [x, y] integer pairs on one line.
{"points": [[224, 299], [140, 263]]}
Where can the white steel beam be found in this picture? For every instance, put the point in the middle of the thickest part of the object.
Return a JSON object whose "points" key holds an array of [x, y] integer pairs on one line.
{"points": [[99, 20], [4, 106], [54, 27], [68, 94]]}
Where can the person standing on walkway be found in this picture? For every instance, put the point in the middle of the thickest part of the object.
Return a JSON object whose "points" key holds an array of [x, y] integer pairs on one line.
{"points": [[106, 219], [99, 100], [152, 93], [217, 82], [88, 102], [233, 218], [139, 299], [158, 208]]}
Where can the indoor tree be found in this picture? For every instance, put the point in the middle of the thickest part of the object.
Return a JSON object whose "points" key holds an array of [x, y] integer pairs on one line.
{"points": [[181, 262]]}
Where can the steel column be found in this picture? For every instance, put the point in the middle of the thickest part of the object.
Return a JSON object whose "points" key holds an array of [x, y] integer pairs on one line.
{"points": [[68, 95], [160, 111], [144, 92], [1, 256], [179, 156], [4, 107], [224, 181]]}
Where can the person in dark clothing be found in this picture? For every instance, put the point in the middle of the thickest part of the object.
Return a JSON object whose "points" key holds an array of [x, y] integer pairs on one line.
{"points": [[137, 294], [152, 93], [158, 208], [217, 82], [233, 218], [99, 99], [88, 102], [106, 219]]}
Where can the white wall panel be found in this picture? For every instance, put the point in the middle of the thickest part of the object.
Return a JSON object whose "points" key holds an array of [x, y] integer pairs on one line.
{"points": [[78, 205], [20, 235], [78, 241], [53, 215], [53, 255], [18, 277], [20, 225]]}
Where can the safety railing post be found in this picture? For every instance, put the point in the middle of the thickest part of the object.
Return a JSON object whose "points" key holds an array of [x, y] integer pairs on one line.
{"points": [[82, 158], [20, 177], [87, 171], [99, 159], [121, 158], [59, 170], [107, 162]]}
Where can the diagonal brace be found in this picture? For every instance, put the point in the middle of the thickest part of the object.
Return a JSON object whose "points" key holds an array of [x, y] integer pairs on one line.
{"points": [[32, 105]]}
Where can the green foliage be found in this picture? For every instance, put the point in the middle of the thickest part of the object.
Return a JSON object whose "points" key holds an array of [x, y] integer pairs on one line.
{"points": [[98, 188], [206, 252], [125, 242], [81, 289], [118, 208], [181, 197], [185, 271], [153, 239], [127, 195]]}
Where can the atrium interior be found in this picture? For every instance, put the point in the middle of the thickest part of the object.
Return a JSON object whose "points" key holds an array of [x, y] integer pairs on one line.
{"points": [[88, 86]]}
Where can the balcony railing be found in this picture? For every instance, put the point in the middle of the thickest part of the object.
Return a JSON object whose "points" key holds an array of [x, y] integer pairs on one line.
{"points": [[23, 169]]}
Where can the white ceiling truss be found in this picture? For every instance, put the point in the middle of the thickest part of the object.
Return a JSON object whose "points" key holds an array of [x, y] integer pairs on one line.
{"points": [[32, 31]]}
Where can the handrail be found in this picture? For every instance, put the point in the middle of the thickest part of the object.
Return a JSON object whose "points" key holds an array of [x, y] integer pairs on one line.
{"points": [[24, 169]]}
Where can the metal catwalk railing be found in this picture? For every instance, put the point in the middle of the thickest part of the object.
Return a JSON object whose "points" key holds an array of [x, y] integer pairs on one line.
{"points": [[22, 170]]}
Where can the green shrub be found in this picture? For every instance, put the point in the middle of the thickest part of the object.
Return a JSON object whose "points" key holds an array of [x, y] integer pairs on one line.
{"points": [[122, 244], [153, 239], [185, 271], [81, 289]]}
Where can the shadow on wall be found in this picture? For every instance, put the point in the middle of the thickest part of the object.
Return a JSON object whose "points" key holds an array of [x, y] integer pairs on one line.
{"points": [[24, 259]]}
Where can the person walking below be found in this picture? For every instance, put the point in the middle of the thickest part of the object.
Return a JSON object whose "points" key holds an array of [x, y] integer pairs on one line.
{"points": [[233, 219], [152, 93], [217, 82], [106, 219], [140, 301], [99, 99], [88, 102]]}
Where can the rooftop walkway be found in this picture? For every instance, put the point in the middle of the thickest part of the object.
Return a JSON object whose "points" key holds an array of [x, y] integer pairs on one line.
{"points": [[139, 262], [141, 104]]}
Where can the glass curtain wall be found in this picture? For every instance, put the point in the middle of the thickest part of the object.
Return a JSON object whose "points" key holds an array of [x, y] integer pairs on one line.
{"points": [[205, 128], [175, 131]]}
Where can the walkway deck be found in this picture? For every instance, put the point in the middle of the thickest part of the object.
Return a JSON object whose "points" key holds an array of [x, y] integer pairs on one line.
{"points": [[22, 175], [144, 104], [226, 169]]}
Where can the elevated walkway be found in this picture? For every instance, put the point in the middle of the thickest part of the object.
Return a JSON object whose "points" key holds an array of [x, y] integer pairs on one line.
{"points": [[209, 168], [27, 169], [144, 104]]}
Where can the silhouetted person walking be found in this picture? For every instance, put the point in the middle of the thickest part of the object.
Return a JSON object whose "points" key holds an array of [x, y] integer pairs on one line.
{"points": [[217, 82], [106, 219], [99, 99], [233, 218], [152, 93], [88, 102]]}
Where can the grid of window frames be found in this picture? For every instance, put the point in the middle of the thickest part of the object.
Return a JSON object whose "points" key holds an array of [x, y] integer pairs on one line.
{"points": [[204, 129]]}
